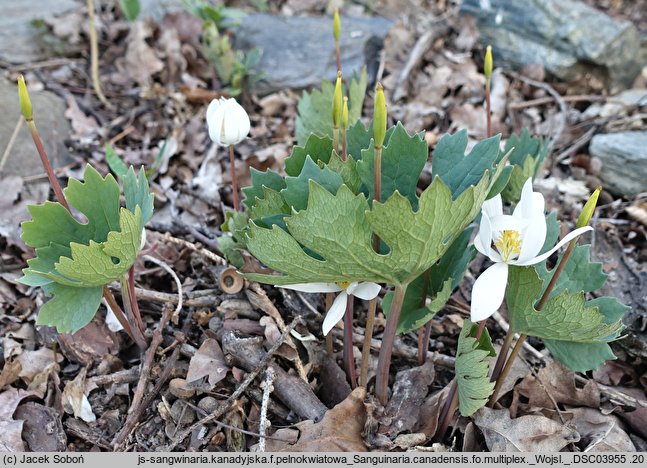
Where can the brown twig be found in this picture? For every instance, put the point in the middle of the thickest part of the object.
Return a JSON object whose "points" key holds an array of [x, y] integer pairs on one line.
{"points": [[94, 56], [238, 392], [136, 407]]}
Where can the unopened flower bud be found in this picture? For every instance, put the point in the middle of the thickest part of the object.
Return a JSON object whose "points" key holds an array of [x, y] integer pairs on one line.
{"points": [[227, 121], [487, 63], [589, 208], [336, 25], [379, 117], [344, 114], [25, 102], [337, 102]]}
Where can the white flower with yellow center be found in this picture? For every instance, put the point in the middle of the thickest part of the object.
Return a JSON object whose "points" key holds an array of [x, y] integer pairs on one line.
{"points": [[510, 240], [365, 291]]}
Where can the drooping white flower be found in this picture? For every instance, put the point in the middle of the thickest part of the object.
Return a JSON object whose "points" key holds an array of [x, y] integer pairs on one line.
{"points": [[365, 291], [510, 240], [227, 121]]}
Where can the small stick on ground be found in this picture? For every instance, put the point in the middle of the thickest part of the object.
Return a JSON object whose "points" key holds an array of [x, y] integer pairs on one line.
{"points": [[136, 407], [267, 390], [94, 56], [178, 283], [239, 391]]}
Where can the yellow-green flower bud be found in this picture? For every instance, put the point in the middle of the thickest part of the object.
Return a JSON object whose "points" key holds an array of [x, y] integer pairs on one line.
{"points": [[589, 208], [487, 64], [379, 116], [336, 25], [344, 114], [337, 102], [25, 102]]}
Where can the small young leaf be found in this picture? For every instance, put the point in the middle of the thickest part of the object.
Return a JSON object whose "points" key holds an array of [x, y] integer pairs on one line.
{"points": [[70, 308], [474, 386], [115, 163], [346, 169], [130, 8], [137, 193]]}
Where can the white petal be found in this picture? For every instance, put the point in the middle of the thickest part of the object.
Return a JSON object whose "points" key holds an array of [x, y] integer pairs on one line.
{"points": [[488, 292], [506, 223], [483, 240], [313, 287], [493, 207], [365, 291], [531, 203], [567, 238], [215, 123], [336, 312], [533, 239], [213, 105]]}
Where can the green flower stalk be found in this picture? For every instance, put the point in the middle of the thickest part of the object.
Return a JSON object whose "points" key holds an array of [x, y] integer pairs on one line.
{"points": [[336, 32]]}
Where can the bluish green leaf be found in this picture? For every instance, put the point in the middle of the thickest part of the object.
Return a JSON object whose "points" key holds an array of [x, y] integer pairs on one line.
{"points": [[137, 193], [269, 179], [403, 159], [318, 148], [70, 308], [458, 170], [297, 188]]}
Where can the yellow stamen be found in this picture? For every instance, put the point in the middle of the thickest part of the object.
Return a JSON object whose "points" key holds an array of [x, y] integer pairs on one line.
{"points": [[343, 284], [508, 244]]}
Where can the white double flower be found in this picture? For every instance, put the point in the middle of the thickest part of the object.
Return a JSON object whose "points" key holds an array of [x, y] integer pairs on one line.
{"points": [[510, 240], [227, 121]]}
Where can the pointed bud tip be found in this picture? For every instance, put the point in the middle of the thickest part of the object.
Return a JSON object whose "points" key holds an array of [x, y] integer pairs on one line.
{"points": [[336, 25], [589, 209], [487, 63], [379, 116], [23, 96], [337, 102]]}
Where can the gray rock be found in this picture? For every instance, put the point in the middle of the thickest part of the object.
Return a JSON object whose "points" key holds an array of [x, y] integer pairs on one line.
{"points": [[156, 9], [568, 37], [299, 51], [19, 36], [49, 115], [624, 161]]}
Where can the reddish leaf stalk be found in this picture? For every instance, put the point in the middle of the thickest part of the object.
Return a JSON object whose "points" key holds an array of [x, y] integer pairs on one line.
{"points": [[234, 180], [349, 358], [384, 359]]}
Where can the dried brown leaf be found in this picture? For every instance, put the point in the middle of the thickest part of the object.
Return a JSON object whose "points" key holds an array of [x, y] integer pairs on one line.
{"points": [[11, 430], [599, 432], [36, 362], [340, 430], [558, 382], [409, 392], [638, 212], [74, 399], [530, 433], [140, 62], [209, 360], [90, 344]]}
